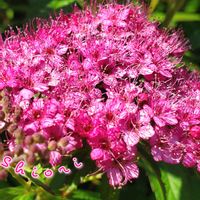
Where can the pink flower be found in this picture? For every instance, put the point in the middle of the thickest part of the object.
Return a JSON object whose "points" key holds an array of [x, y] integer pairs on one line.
{"points": [[162, 110], [55, 158], [43, 116], [167, 144], [137, 126], [191, 157], [108, 78], [96, 154], [119, 176]]}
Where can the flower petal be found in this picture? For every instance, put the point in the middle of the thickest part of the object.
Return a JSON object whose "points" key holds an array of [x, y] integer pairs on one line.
{"points": [[131, 138], [146, 132]]}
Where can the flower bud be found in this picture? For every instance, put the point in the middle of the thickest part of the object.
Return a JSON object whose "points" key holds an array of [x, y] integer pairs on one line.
{"points": [[3, 175], [17, 114], [2, 126], [18, 110], [28, 140], [6, 104], [2, 115], [33, 148], [16, 118], [55, 158], [142, 97], [63, 142], [52, 145], [30, 158], [18, 133], [18, 150], [38, 138], [12, 127], [8, 153], [1, 149]]}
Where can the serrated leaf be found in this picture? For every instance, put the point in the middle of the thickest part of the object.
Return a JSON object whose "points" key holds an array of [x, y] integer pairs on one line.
{"points": [[180, 183], [153, 174], [173, 184]]}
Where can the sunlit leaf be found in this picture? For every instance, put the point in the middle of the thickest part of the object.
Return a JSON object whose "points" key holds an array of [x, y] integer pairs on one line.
{"points": [[153, 173], [55, 4], [180, 183], [16, 193]]}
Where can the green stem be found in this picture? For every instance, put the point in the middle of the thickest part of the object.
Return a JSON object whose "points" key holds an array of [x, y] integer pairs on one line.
{"points": [[152, 171], [69, 190], [179, 16], [152, 6], [39, 183], [19, 179], [172, 11]]}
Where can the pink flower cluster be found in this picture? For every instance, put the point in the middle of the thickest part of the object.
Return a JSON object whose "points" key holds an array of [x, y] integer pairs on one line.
{"points": [[109, 78], [180, 143]]}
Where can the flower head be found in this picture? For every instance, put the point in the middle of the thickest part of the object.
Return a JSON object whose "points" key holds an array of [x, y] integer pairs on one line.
{"points": [[108, 78]]}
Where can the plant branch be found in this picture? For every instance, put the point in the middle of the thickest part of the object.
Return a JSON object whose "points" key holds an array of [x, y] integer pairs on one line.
{"points": [[172, 11], [152, 6], [19, 179]]}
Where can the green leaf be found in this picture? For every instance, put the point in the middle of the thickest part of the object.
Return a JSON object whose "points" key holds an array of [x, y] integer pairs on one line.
{"points": [[36, 8], [85, 195], [56, 4], [173, 184], [153, 5], [4, 184], [3, 4], [37, 182], [139, 187], [192, 60], [9, 13], [107, 192], [192, 6], [88, 167], [57, 182], [154, 176], [16, 193], [28, 196], [192, 32], [178, 17], [180, 183]]}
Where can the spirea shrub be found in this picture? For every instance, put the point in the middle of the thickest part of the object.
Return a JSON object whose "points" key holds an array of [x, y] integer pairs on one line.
{"points": [[109, 79]]}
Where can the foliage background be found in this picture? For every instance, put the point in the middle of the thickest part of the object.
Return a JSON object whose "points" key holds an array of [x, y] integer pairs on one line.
{"points": [[157, 181]]}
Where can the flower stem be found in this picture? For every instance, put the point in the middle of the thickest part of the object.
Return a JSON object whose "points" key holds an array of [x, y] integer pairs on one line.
{"points": [[39, 183], [152, 6], [172, 11], [19, 179]]}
